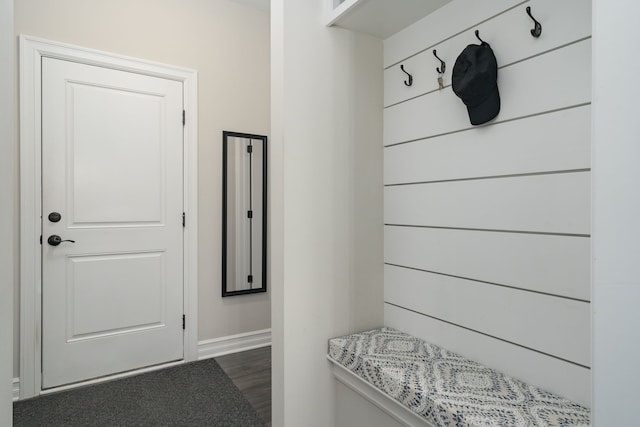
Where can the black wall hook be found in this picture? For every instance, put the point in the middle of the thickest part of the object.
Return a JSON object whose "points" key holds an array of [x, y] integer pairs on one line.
{"points": [[443, 66], [535, 32], [410, 82], [478, 36]]}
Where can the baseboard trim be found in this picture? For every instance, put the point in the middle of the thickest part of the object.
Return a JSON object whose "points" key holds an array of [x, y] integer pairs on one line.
{"points": [[233, 343], [16, 389]]}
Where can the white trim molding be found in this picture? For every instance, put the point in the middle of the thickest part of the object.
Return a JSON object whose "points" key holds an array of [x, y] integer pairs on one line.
{"points": [[233, 344], [32, 50], [16, 389]]}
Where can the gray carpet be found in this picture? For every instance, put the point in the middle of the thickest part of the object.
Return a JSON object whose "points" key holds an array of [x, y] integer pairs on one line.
{"points": [[193, 394]]}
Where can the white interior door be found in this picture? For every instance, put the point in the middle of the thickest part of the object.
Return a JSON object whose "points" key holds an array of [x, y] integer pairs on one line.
{"points": [[112, 290]]}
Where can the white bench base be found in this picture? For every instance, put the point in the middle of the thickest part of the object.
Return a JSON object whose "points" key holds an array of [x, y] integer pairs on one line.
{"points": [[359, 404]]}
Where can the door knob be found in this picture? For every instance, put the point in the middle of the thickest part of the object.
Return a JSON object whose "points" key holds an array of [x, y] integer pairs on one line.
{"points": [[55, 240]]}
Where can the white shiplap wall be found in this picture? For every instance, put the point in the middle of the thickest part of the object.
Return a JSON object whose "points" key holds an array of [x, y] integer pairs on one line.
{"points": [[487, 229]]}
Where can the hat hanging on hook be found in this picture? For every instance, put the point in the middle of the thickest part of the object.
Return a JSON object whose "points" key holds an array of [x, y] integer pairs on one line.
{"points": [[474, 81]]}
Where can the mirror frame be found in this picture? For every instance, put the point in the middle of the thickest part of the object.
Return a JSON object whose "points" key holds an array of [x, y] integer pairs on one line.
{"points": [[225, 169]]}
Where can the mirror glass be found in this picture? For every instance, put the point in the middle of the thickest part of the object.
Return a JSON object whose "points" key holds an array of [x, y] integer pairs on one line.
{"points": [[244, 213]]}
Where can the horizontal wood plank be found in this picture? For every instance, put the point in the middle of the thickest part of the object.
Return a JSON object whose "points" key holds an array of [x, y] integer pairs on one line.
{"points": [[554, 203], [552, 325], [524, 146], [439, 25], [560, 377], [250, 371], [520, 86], [557, 265], [509, 36]]}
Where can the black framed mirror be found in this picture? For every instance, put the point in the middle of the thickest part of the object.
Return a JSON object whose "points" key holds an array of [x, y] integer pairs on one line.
{"points": [[244, 213]]}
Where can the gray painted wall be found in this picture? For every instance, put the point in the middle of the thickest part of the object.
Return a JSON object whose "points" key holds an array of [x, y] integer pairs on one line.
{"points": [[326, 213], [7, 207], [616, 207]]}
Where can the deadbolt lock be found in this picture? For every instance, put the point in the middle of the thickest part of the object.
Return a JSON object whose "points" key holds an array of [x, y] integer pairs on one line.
{"points": [[54, 217]]}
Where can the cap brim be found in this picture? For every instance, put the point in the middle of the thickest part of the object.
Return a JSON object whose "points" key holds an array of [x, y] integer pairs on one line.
{"points": [[485, 111]]}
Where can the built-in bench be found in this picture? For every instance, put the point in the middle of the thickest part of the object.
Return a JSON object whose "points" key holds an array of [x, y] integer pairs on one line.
{"points": [[441, 388]]}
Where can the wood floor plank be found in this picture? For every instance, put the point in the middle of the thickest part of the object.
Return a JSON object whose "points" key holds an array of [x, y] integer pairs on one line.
{"points": [[250, 371]]}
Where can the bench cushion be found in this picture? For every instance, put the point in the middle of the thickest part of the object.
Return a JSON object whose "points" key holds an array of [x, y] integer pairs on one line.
{"points": [[447, 389]]}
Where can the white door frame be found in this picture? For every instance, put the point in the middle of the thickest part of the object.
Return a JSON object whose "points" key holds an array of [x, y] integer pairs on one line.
{"points": [[32, 50]]}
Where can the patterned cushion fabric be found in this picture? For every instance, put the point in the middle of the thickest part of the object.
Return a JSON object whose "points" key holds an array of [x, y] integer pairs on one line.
{"points": [[447, 389]]}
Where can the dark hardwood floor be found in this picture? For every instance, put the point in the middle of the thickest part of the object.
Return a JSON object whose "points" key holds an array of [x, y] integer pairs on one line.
{"points": [[250, 371]]}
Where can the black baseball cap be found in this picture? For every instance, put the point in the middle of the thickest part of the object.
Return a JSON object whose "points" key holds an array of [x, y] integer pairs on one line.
{"points": [[474, 80]]}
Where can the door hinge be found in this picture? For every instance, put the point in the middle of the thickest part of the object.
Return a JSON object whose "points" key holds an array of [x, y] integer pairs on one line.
{"points": [[249, 149], [184, 220], [250, 278], [184, 117], [41, 239], [249, 214], [184, 322]]}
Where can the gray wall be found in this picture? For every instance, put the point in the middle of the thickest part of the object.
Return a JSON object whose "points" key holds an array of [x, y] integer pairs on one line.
{"points": [[616, 207], [7, 154], [326, 212], [487, 229]]}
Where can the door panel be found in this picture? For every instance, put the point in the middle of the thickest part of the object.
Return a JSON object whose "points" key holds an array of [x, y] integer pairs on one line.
{"points": [[135, 146], [96, 287], [112, 168]]}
